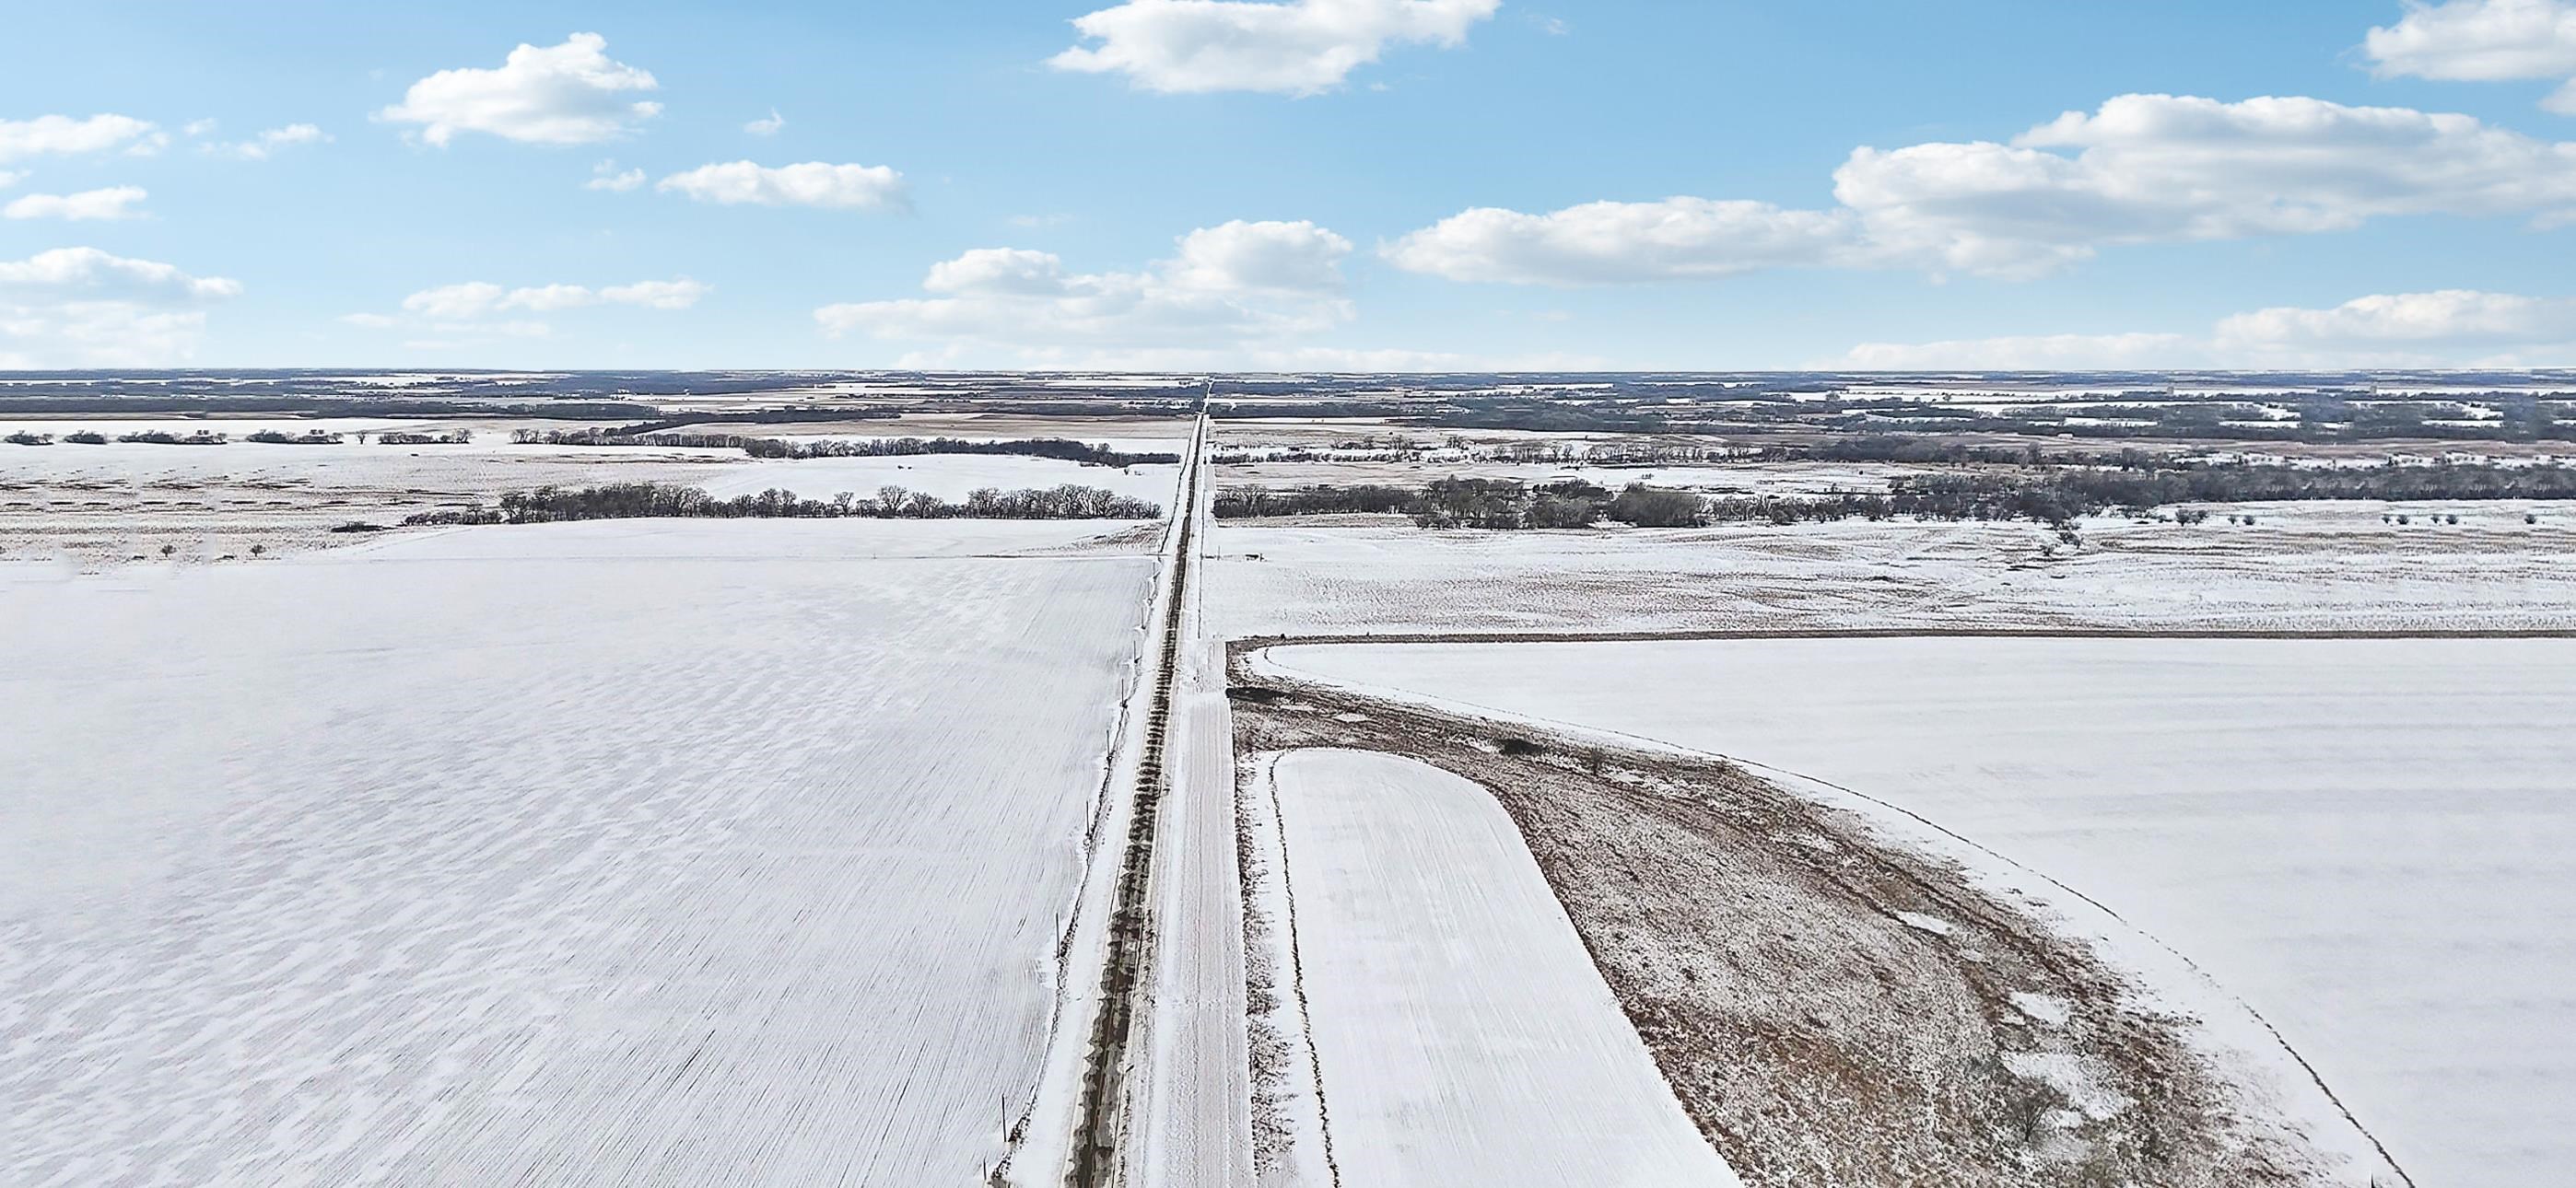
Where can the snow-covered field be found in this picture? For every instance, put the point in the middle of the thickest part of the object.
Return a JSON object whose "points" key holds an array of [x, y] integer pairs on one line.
{"points": [[947, 476], [109, 504], [2368, 840], [1462, 1033], [671, 852], [2322, 566], [1805, 478]]}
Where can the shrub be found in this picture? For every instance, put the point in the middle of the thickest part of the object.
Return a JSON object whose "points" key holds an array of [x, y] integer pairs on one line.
{"points": [[1653, 507]]}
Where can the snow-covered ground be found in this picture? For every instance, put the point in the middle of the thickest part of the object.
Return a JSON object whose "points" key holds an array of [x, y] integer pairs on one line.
{"points": [[673, 852], [2370, 841], [2313, 566], [1462, 1033], [947, 476], [1785, 479], [109, 504]]}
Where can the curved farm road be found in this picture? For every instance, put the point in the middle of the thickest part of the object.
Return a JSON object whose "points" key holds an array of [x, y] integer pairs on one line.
{"points": [[1839, 1001], [1834, 1001]]}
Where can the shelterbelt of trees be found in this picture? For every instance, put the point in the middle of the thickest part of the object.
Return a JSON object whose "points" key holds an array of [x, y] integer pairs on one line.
{"points": [[2051, 495], [1061, 449], [647, 500]]}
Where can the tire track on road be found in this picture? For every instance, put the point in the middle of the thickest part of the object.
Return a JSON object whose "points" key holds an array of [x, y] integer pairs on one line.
{"points": [[1098, 1159]]}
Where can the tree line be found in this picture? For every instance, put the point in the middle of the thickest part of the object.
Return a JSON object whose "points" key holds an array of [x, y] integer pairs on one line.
{"points": [[1087, 453], [1475, 503], [613, 501], [262, 437], [2054, 496]]}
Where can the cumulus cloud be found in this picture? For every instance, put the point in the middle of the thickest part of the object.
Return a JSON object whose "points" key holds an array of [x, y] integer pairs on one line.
{"points": [[2482, 41], [2141, 169], [114, 202], [82, 307], [267, 143], [2445, 328], [471, 311], [669, 294], [1609, 242], [2036, 352], [812, 183], [1302, 47], [58, 135], [2443, 323], [607, 176], [2163, 168], [767, 125], [1237, 290], [564, 94], [469, 300], [90, 274]]}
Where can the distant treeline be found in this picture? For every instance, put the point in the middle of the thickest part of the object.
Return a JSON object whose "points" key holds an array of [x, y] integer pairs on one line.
{"points": [[204, 437], [766, 416], [1474, 503], [2055, 496], [1087, 453], [158, 437], [2338, 410], [328, 406], [615, 501]]}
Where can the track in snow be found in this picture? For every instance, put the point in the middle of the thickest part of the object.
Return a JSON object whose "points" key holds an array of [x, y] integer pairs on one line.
{"points": [[1102, 1147]]}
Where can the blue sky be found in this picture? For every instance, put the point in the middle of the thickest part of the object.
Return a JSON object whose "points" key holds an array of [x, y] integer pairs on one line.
{"points": [[1324, 185]]}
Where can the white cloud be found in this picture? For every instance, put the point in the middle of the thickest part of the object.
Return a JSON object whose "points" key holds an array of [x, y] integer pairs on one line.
{"points": [[89, 273], [63, 136], [767, 125], [266, 144], [813, 183], [2447, 328], [456, 303], [114, 202], [2164, 168], [606, 176], [1302, 47], [565, 94], [2448, 320], [466, 308], [2039, 352], [8, 179], [1246, 257], [1610, 242], [82, 307], [2482, 41], [546, 298], [669, 294], [196, 128], [2141, 169], [1240, 290]]}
